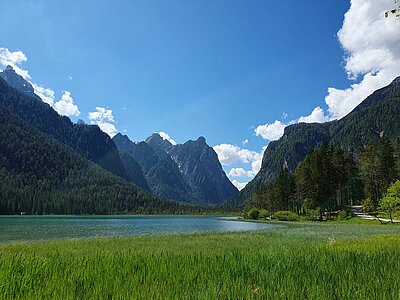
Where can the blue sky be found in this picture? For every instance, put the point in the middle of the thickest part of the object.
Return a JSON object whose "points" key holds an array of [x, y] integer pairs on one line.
{"points": [[218, 68]]}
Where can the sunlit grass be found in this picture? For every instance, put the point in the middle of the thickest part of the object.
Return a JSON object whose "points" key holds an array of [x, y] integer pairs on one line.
{"points": [[299, 261]]}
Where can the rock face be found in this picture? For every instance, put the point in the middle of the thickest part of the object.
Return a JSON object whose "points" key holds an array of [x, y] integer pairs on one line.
{"points": [[199, 165], [156, 142], [18, 82], [376, 114], [134, 171], [190, 172]]}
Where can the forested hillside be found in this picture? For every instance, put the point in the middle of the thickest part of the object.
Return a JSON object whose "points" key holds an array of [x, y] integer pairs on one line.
{"points": [[39, 174], [331, 179], [377, 115], [87, 140]]}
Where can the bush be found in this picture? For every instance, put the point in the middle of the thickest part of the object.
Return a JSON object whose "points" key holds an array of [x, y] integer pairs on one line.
{"points": [[343, 214], [286, 216], [264, 214], [312, 214], [368, 206], [254, 214]]}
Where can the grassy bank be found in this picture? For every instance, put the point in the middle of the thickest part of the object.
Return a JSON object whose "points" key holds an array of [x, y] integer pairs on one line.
{"points": [[304, 260]]}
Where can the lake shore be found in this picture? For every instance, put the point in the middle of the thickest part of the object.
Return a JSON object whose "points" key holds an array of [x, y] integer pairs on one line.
{"points": [[300, 260]]}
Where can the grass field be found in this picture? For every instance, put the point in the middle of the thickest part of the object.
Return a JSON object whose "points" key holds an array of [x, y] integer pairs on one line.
{"points": [[300, 261]]}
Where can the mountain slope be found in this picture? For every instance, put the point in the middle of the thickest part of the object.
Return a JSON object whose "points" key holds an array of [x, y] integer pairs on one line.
{"points": [[134, 171], [39, 174], [202, 170], [160, 171], [87, 140], [190, 172], [379, 113]]}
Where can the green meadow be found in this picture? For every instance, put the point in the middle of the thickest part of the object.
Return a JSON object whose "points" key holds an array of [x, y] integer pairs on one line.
{"points": [[344, 260]]}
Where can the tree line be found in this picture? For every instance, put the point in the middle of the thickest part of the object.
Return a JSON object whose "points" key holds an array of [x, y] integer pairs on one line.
{"points": [[331, 179]]}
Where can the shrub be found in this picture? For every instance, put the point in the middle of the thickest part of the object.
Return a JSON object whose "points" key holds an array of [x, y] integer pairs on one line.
{"points": [[254, 213], [264, 214], [286, 216], [368, 206], [343, 215], [312, 214]]}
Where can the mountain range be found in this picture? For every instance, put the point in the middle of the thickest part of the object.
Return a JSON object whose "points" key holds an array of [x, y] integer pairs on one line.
{"points": [[190, 172], [148, 170], [49, 164], [378, 114]]}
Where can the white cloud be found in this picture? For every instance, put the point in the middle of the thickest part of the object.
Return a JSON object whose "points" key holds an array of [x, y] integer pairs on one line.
{"points": [[372, 46], [101, 114], [104, 119], [271, 132], [108, 128], [14, 59], [229, 154], [239, 185], [316, 116], [166, 137], [66, 106], [237, 172], [275, 131], [245, 142], [46, 94]]}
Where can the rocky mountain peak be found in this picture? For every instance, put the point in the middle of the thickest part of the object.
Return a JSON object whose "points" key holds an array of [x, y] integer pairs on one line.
{"points": [[156, 142], [17, 81]]}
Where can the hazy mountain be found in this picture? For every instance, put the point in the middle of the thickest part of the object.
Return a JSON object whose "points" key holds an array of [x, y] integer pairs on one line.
{"points": [[377, 114]]}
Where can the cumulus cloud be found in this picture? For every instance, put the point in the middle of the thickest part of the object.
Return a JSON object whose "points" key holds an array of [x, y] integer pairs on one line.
{"points": [[240, 172], [372, 46], [275, 131], [229, 154], [14, 59], [271, 132], [316, 116], [239, 185], [166, 137], [46, 94], [104, 119], [66, 106]]}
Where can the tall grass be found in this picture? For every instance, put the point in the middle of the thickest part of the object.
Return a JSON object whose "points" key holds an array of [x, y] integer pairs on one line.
{"points": [[303, 261]]}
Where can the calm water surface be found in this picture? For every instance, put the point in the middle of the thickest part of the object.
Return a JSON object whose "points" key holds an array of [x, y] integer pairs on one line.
{"points": [[31, 228]]}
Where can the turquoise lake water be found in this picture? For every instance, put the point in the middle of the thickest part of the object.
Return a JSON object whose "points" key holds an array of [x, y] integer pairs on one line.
{"points": [[36, 228]]}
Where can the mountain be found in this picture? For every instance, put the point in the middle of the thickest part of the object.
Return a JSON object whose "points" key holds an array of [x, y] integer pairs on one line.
{"points": [[199, 165], [134, 171], [160, 171], [87, 140], [156, 142], [18, 82], [190, 172], [377, 114], [40, 174]]}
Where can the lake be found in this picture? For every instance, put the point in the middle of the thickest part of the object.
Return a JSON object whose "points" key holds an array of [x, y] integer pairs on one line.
{"points": [[36, 228]]}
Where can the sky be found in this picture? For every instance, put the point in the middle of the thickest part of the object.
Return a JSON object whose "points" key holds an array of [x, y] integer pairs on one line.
{"points": [[234, 71]]}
